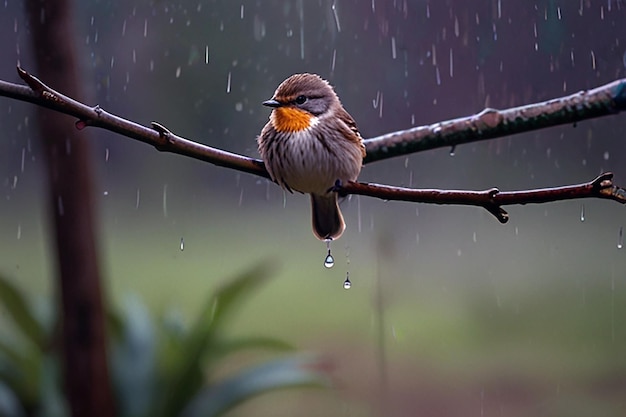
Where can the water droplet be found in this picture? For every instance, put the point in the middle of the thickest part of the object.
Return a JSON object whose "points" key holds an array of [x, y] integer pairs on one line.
{"points": [[182, 244], [329, 261], [620, 238], [347, 284], [452, 150], [582, 212]]}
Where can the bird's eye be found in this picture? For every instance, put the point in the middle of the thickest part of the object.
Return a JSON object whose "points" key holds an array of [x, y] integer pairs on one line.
{"points": [[300, 99]]}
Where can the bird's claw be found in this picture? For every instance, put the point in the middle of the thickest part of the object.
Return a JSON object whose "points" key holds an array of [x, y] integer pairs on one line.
{"points": [[336, 188]]}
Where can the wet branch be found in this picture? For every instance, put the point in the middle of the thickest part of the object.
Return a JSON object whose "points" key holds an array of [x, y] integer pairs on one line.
{"points": [[492, 199], [488, 124], [158, 136], [491, 123]]}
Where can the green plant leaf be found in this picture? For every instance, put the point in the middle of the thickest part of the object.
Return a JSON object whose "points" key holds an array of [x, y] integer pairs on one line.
{"points": [[20, 370], [224, 348], [301, 370], [133, 360], [9, 403], [254, 342], [52, 399], [21, 313], [229, 296], [187, 375]]}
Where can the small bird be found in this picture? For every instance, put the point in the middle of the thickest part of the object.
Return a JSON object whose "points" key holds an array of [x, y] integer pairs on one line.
{"points": [[310, 143]]}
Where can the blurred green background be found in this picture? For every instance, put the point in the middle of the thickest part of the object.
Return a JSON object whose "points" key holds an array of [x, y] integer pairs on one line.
{"points": [[450, 313]]}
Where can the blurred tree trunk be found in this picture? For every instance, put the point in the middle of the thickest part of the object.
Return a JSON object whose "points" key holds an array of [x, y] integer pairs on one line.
{"points": [[69, 176]]}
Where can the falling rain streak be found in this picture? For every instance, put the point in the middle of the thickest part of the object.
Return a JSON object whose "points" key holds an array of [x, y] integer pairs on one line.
{"points": [[165, 200], [582, 212], [334, 8]]}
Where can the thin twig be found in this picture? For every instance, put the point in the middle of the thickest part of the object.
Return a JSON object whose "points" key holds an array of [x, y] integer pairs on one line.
{"points": [[492, 199], [158, 136]]}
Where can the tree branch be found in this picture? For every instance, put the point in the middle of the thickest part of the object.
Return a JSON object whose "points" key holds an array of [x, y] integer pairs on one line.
{"points": [[488, 124], [158, 136], [492, 199], [491, 123]]}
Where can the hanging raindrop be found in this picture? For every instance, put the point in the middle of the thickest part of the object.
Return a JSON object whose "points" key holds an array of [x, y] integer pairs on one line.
{"points": [[582, 212], [329, 261], [453, 150], [620, 238], [182, 244], [347, 284]]}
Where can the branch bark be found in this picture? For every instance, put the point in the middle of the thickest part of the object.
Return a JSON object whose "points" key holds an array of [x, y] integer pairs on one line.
{"points": [[491, 123], [492, 199], [606, 100]]}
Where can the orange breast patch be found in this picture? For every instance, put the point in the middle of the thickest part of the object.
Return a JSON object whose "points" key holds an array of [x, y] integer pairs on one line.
{"points": [[290, 119]]}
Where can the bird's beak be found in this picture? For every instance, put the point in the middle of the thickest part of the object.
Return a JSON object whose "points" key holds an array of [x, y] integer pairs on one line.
{"points": [[272, 103]]}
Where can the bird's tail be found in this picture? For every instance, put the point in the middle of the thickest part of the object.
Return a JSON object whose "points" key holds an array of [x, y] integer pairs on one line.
{"points": [[327, 219]]}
